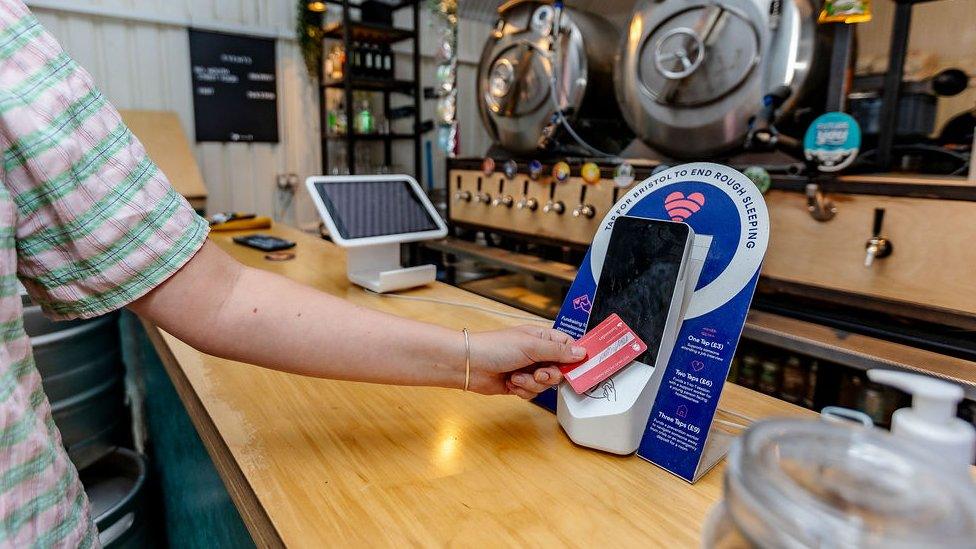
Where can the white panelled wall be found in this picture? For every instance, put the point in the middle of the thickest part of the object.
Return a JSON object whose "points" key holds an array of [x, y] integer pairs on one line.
{"points": [[138, 53]]}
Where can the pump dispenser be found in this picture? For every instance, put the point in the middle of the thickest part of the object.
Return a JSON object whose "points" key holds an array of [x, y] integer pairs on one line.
{"points": [[931, 422]]}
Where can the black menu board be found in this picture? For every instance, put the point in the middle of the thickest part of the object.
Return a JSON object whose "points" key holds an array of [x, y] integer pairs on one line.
{"points": [[235, 94]]}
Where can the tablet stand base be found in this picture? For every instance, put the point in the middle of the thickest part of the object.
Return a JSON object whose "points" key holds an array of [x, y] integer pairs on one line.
{"points": [[377, 268]]}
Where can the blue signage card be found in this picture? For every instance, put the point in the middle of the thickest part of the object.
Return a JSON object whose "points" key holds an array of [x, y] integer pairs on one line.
{"points": [[728, 215]]}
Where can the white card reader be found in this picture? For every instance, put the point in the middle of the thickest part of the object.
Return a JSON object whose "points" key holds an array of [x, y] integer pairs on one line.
{"points": [[648, 276], [370, 216]]}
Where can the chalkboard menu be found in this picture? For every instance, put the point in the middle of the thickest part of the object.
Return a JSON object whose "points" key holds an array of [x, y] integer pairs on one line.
{"points": [[235, 94]]}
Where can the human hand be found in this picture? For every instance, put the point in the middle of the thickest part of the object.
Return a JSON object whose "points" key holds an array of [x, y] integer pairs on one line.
{"points": [[518, 361]]}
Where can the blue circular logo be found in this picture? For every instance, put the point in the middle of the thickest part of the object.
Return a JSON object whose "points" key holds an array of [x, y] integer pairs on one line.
{"points": [[832, 141]]}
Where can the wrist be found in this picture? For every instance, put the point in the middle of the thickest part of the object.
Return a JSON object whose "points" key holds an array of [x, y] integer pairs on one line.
{"points": [[447, 368], [467, 359]]}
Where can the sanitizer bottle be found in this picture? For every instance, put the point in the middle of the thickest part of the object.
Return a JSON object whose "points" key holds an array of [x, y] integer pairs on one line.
{"points": [[931, 422]]}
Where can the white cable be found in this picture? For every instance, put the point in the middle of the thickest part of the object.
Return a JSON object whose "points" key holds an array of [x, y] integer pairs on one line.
{"points": [[458, 304]]}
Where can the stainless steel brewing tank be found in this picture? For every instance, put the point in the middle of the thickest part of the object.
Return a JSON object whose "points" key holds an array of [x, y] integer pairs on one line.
{"points": [[692, 73], [515, 72]]}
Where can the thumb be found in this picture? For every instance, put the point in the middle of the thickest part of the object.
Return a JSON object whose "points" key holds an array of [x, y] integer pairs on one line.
{"points": [[543, 350]]}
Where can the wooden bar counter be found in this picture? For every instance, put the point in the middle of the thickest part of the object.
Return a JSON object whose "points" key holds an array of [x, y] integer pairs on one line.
{"points": [[319, 463]]}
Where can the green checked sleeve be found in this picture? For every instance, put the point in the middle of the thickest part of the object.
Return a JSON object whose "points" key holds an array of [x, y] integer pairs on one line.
{"points": [[98, 224]]}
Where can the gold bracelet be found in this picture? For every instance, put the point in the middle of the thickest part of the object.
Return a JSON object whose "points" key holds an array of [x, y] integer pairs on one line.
{"points": [[467, 359]]}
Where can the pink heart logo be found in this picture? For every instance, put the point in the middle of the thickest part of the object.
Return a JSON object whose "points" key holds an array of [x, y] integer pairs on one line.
{"points": [[680, 207], [697, 365]]}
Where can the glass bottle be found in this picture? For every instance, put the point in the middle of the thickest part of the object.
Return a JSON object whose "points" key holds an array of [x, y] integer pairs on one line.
{"points": [[341, 122], [364, 118]]}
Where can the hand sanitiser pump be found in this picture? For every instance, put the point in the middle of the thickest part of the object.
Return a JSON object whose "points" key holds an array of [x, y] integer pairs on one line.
{"points": [[931, 422]]}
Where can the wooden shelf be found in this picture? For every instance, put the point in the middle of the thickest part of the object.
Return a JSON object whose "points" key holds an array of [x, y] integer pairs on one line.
{"points": [[369, 32], [855, 350], [940, 187], [514, 261], [511, 290], [374, 84]]}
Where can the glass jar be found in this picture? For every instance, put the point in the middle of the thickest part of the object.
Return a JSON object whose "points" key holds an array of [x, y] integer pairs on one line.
{"points": [[808, 483]]}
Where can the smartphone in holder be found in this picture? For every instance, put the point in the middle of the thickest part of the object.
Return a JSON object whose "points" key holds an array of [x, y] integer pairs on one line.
{"points": [[643, 280]]}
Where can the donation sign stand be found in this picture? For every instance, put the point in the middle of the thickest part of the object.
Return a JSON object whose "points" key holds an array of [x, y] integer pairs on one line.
{"points": [[725, 207]]}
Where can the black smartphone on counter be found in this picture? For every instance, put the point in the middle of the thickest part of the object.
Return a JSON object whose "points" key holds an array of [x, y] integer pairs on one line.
{"points": [[264, 242]]}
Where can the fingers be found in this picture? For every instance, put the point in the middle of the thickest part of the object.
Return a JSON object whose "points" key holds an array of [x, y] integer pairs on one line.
{"points": [[536, 383], [529, 384], [550, 334], [544, 350], [518, 391]]}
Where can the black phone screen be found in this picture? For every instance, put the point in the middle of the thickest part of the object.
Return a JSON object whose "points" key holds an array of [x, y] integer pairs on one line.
{"points": [[640, 272]]}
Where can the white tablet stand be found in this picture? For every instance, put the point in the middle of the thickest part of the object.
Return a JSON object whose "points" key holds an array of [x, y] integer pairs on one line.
{"points": [[377, 268], [392, 206]]}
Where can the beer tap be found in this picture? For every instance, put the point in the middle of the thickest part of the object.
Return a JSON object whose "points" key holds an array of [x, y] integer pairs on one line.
{"points": [[527, 203], [819, 206], [461, 195], [556, 206], [584, 210], [503, 200], [877, 246], [483, 197]]}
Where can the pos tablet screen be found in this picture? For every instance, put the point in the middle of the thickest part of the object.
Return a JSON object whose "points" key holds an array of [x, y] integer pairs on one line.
{"points": [[644, 263], [367, 207]]}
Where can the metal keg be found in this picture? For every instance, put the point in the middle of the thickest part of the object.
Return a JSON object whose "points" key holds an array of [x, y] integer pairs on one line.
{"points": [[515, 82], [116, 488], [82, 373], [691, 74]]}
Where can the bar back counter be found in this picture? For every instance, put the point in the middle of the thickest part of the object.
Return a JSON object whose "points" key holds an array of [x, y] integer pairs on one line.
{"points": [[318, 463]]}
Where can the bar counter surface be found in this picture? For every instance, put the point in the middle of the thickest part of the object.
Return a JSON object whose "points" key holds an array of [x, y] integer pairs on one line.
{"points": [[312, 462]]}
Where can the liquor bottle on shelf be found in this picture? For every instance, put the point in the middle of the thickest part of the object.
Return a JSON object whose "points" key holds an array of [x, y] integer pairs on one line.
{"points": [[341, 123], [794, 380], [364, 118], [769, 375], [339, 66], [335, 62], [871, 401], [749, 370], [388, 59], [812, 372], [330, 122], [369, 70], [356, 66], [851, 384]]}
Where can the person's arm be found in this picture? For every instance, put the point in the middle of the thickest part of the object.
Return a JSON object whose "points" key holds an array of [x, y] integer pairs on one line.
{"points": [[226, 309]]}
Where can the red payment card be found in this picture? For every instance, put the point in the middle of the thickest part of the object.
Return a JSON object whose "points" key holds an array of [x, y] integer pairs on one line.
{"points": [[610, 346]]}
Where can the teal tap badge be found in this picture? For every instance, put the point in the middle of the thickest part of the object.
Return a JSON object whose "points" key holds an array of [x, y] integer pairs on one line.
{"points": [[832, 141]]}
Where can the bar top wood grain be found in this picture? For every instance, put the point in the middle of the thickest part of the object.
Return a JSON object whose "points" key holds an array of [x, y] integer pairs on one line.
{"points": [[319, 463]]}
